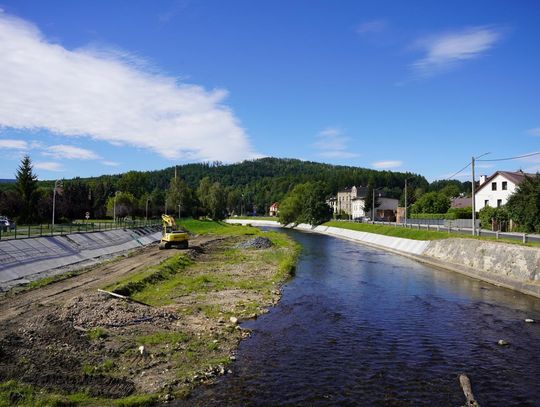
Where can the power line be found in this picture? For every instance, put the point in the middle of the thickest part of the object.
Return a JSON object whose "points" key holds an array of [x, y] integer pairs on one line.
{"points": [[512, 158], [456, 173]]}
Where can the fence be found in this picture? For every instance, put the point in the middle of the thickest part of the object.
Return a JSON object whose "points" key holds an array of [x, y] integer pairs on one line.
{"points": [[452, 227], [27, 231]]}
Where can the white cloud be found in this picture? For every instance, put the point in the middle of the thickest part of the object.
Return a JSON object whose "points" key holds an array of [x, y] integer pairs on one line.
{"points": [[110, 163], [13, 144], [332, 144], [534, 132], [372, 27], [387, 164], [70, 152], [112, 97], [445, 51], [48, 166]]}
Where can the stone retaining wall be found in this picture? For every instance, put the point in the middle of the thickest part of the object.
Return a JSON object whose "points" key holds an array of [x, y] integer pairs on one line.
{"points": [[22, 258]]}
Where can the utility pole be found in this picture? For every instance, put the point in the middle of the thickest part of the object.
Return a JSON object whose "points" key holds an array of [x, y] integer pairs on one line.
{"points": [[405, 202], [473, 200], [175, 167], [473, 191], [147, 199]]}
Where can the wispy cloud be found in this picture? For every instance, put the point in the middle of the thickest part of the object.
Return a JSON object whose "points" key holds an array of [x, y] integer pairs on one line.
{"points": [[387, 164], [11, 144], [446, 51], [110, 163], [107, 96], [534, 132], [332, 144], [70, 152], [372, 27], [48, 166]]}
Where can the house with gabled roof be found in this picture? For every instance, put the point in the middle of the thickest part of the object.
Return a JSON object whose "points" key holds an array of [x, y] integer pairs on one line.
{"points": [[495, 190]]}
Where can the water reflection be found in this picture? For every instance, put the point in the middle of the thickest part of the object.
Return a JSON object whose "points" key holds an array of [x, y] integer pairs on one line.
{"points": [[359, 326]]}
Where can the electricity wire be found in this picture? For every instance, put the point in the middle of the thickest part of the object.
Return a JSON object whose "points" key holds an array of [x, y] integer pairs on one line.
{"points": [[512, 158]]}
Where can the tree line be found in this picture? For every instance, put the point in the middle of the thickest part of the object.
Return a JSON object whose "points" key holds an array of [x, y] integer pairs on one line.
{"points": [[202, 189]]}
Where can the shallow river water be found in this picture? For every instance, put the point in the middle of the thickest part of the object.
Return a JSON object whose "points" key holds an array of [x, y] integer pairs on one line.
{"points": [[361, 327]]}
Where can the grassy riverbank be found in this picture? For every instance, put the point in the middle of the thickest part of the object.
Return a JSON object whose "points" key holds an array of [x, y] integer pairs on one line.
{"points": [[178, 329], [418, 234]]}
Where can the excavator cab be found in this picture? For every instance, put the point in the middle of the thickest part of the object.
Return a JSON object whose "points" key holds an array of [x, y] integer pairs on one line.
{"points": [[171, 237]]}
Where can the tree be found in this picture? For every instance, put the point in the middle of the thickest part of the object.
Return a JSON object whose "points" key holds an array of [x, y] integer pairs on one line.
{"points": [[305, 204], [217, 202], [203, 193], [450, 191], [432, 202], [493, 217], [125, 205], [368, 201], [524, 205], [179, 194], [27, 188]]}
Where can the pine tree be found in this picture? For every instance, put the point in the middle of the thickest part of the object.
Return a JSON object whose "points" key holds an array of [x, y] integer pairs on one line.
{"points": [[27, 188]]}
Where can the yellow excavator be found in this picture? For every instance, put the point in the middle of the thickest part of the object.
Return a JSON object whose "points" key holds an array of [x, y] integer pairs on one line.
{"points": [[171, 237]]}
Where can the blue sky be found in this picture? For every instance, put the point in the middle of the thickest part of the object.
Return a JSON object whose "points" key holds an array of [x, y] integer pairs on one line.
{"points": [[99, 87]]}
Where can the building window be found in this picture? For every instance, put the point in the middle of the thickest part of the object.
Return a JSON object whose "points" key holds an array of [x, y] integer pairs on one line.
{"points": [[499, 202], [486, 202], [504, 185], [493, 186]]}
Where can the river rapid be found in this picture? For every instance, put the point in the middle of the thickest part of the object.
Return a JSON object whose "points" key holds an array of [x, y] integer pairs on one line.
{"points": [[359, 326]]}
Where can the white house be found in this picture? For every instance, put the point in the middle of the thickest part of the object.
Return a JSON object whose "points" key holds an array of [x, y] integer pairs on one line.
{"points": [[495, 190], [386, 208]]}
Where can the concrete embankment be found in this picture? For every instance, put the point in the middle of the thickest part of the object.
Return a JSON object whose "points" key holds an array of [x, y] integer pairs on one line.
{"points": [[21, 260], [507, 265]]}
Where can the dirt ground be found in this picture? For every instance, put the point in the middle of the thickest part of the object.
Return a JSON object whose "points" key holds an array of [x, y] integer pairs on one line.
{"points": [[67, 337]]}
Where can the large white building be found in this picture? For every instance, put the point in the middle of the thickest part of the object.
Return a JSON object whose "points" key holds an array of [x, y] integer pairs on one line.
{"points": [[495, 190], [351, 201]]}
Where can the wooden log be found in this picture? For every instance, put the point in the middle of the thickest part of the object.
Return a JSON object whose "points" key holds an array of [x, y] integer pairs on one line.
{"points": [[467, 390]]}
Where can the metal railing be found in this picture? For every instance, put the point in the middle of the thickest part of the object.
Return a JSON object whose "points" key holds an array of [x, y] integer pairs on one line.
{"points": [[26, 231], [457, 227]]}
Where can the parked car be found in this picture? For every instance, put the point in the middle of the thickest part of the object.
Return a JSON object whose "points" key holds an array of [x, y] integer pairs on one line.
{"points": [[6, 224]]}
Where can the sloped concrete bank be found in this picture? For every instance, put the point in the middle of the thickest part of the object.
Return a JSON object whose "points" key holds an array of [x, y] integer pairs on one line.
{"points": [[22, 260], [506, 265]]}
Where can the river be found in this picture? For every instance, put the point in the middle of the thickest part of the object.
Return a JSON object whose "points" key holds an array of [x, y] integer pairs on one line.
{"points": [[361, 327]]}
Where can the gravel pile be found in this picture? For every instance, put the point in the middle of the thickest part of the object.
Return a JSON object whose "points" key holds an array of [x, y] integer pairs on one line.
{"points": [[256, 243], [105, 311]]}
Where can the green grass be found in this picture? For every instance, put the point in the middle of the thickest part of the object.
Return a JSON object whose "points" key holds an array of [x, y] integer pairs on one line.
{"points": [[394, 231], [96, 334], [163, 338], [418, 234], [14, 393], [274, 218], [151, 275]]}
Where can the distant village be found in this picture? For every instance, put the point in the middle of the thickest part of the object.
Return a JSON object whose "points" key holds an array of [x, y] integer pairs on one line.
{"points": [[492, 191]]}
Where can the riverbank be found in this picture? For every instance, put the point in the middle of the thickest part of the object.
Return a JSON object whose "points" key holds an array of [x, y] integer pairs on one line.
{"points": [[177, 327], [504, 264]]}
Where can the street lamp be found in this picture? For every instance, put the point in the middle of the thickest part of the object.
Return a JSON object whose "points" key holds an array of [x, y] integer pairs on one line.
{"points": [[114, 206], [373, 205], [406, 179], [57, 186]]}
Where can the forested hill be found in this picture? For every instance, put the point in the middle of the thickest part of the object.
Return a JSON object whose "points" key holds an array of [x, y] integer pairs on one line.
{"points": [[271, 177], [260, 182]]}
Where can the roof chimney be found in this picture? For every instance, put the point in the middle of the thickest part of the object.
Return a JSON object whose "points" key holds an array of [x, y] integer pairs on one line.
{"points": [[483, 179]]}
